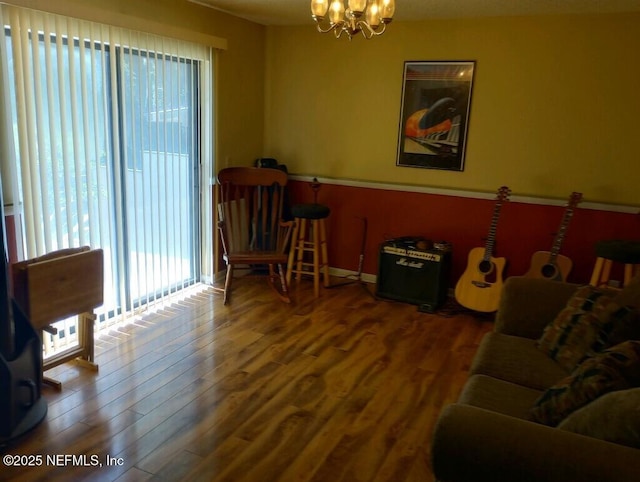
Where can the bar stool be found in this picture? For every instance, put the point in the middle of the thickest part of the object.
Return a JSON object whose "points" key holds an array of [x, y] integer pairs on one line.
{"points": [[309, 235], [618, 251]]}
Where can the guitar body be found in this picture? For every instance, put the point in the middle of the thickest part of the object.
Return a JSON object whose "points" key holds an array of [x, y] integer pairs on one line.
{"points": [[480, 285], [550, 264], [543, 268]]}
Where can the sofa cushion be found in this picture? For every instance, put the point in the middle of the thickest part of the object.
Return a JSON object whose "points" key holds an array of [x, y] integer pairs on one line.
{"points": [[617, 368], [581, 328], [527, 305], [499, 396], [517, 360], [614, 417]]}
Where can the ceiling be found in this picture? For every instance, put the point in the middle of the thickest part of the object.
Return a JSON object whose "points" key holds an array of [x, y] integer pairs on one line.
{"points": [[297, 12]]}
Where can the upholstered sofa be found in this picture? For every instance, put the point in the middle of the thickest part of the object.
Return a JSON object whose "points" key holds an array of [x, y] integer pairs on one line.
{"points": [[490, 434]]}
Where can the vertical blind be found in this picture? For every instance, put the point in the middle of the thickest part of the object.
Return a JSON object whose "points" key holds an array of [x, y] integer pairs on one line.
{"points": [[112, 135]]}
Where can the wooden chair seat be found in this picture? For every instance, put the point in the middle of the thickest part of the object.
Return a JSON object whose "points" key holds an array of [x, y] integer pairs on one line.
{"points": [[251, 226], [256, 257]]}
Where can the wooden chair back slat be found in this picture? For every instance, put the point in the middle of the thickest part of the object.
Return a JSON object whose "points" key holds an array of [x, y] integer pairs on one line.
{"points": [[250, 208]]}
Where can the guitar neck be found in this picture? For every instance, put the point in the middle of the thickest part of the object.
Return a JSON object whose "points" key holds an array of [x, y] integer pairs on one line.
{"points": [[491, 238], [574, 199], [557, 241]]}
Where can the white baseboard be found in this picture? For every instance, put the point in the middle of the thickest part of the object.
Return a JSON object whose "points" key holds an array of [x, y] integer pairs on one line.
{"points": [[338, 272]]}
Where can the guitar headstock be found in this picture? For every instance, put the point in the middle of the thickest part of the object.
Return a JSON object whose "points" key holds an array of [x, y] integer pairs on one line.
{"points": [[574, 199], [503, 193]]}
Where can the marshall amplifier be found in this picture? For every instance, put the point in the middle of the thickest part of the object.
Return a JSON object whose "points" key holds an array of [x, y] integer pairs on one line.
{"points": [[414, 275]]}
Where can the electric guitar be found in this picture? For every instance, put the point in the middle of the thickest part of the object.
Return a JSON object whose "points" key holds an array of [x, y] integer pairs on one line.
{"points": [[550, 264], [480, 285]]}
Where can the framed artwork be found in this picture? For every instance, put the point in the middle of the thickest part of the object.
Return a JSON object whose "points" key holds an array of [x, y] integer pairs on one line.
{"points": [[434, 117]]}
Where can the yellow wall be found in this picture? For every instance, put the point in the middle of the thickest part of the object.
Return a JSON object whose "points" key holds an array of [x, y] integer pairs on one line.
{"points": [[239, 71], [555, 104]]}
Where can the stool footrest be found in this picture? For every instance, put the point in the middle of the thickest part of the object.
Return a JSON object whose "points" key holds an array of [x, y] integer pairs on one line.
{"points": [[308, 263]]}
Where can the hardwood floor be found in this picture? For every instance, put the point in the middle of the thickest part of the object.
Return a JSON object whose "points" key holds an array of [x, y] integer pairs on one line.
{"points": [[340, 388]]}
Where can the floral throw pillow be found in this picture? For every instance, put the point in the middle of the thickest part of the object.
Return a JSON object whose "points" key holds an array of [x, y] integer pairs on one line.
{"points": [[581, 328], [616, 368]]}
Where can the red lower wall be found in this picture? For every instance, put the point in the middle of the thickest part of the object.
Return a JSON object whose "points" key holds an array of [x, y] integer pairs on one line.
{"points": [[523, 228]]}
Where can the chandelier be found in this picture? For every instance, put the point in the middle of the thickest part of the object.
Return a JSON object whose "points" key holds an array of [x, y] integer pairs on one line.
{"points": [[368, 17]]}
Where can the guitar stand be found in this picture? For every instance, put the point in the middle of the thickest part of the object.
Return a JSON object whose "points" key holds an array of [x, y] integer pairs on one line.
{"points": [[357, 278]]}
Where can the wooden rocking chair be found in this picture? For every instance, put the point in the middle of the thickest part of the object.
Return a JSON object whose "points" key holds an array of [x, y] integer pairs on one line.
{"points": [[251, 226]]}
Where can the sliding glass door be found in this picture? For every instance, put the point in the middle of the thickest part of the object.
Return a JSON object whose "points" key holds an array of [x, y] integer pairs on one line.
{"points": [[160, 178], [107, 129]]}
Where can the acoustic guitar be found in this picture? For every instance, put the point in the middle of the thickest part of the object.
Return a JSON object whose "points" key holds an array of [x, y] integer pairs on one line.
{"points": [[480, 285], [550, 264]]}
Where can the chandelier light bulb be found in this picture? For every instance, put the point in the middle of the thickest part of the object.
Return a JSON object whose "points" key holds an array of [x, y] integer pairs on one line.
{"points": [[387, 9], [353, 17], [319, 8], [336, 12], [373, 14], [357, 6]]}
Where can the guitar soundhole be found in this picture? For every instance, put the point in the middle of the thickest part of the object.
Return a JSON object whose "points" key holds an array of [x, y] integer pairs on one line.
{"points": [[549, 271], [485, 267]]}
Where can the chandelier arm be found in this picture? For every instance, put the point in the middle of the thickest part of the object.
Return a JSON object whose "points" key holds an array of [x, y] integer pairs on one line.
{"points": [[366, 30], [370, 30], [344, 29], [328, 29], [351, 27], [381, 30]]}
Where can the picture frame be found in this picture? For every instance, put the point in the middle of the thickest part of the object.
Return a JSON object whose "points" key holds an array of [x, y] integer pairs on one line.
{"points": [[434, 115]]}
